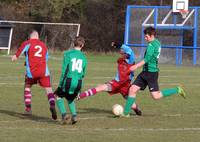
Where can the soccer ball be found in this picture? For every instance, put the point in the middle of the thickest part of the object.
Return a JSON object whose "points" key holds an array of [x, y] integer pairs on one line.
{"points": [[117, 109]]}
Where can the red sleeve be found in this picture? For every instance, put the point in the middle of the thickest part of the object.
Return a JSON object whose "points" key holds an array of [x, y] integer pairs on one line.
{"points": [[21, 48]]}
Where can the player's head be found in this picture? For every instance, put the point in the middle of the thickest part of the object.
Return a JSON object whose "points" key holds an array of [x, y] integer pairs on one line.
{"points": [[34, 35], [79, 42], [149, 34], [125, 50]]}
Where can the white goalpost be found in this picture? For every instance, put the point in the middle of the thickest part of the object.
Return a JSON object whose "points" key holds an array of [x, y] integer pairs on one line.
{"points": [[54, 34]]}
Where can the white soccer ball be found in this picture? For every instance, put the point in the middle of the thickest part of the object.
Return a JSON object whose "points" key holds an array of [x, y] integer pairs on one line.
{"points": [[117, 109]]}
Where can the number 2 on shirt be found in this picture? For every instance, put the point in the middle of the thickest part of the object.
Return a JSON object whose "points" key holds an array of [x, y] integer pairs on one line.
{"points": [[77, 65], [39, 51]]}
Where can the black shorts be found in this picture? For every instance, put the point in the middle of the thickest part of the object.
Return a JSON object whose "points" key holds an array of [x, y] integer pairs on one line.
{"points": [[70, 97], [149, 79]]}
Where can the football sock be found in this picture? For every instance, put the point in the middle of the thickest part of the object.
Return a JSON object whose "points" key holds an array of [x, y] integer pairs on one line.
{"points": [[129, 102], [134, 107], [61, 106], [72, 107], [169, 92], [27, 99], [89, 92], [51, 99]]}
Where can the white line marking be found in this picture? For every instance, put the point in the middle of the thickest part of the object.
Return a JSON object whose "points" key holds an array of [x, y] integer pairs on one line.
{"points": [[89, 118], [101, 129], [95, 84], [58, 127], [10, 76]]}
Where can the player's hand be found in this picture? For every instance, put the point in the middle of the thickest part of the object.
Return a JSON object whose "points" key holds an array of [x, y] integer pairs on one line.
{"points": [[133, 68], [14, 58]]}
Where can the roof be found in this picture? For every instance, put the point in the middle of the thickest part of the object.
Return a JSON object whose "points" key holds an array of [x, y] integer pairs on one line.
{"points": [[5, 24]]}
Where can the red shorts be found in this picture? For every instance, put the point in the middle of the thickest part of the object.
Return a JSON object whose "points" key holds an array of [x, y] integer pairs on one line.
{"points": [[43, 81], [119, 87]]}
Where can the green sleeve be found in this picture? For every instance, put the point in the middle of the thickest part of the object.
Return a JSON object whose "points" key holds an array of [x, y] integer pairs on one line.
{"points": [[149, 54], [64, 66]]}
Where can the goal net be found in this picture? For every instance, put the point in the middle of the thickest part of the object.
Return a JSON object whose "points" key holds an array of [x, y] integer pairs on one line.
{"points": [[57, 36]]}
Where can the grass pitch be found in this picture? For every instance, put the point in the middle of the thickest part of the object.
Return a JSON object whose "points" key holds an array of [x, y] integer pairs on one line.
{"points": [[172, 119]]}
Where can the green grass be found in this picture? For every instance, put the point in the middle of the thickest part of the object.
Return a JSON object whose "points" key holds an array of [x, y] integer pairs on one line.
{"points": [[172, 119]]}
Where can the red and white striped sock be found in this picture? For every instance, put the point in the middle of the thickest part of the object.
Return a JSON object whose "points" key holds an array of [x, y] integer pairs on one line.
{"points": [[27, 99], [89, 92]]}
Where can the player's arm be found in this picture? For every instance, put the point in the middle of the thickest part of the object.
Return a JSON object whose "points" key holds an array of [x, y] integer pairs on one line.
{"points": [[132, 62], [138, 65], [64, 67], [20, 51], [148, 56]]}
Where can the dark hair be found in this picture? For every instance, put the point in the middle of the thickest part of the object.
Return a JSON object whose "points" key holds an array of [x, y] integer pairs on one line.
{"points": [[79, 41], [150, 31]]}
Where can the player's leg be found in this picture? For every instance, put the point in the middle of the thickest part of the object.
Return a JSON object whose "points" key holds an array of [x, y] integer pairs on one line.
{"points": [[62, 109], [46, 84], [73, 87], [173, 91], [50, 96], [93, 91], [28, 95], [72, 108], [154, 88], [168, 92], [138, 84], [124, 92], [152, 79], [27, 99], [51, 100], [130, 99], [136, 109], [164, 93]]}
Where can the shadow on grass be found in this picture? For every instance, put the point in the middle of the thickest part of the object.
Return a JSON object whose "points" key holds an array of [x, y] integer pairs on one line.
{"points": [[103, 111], [29, 117], [94, 110]]}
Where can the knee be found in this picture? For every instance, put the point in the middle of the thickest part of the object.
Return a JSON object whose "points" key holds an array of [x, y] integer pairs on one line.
{"points": [[102, 87], [49, 90], [156, 96], [27, 89], [132, 91]]}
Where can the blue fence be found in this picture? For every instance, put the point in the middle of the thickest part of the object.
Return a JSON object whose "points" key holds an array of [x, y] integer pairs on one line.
{"points": [[158, 20]]}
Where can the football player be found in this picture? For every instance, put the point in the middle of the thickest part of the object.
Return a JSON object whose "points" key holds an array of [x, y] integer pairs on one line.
{"points": [[122, 81], [36, 57], [71, 80], [149, 75]]}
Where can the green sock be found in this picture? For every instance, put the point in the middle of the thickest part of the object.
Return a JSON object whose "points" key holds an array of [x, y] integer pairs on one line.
{"points": [[72, 107], [129, 102], [169, 92], [61, 105]]}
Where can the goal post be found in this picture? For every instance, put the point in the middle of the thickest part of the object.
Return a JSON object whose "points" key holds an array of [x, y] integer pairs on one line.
{"points": [[55, 35], [6, 30]]}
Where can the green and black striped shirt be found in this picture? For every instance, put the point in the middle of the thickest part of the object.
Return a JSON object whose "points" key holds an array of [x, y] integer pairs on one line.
{"points": [[151, 56]]}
